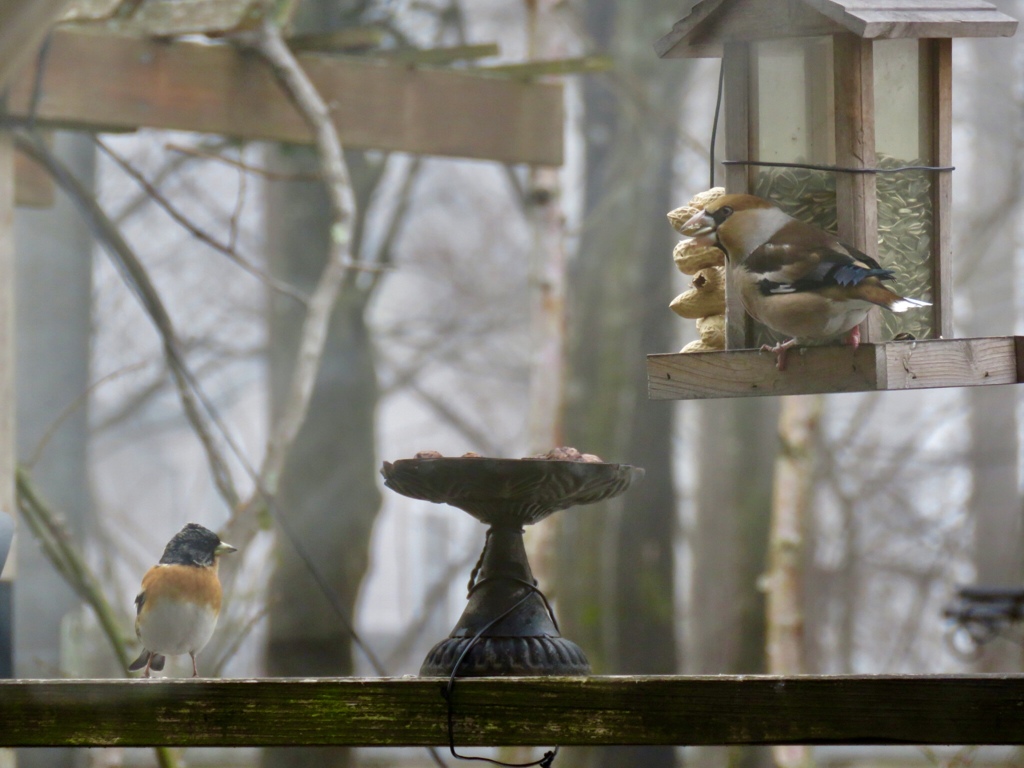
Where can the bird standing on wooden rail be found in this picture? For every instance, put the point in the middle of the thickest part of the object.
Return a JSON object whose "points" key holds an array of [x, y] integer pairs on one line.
{"points": [[177, 609], [794, 278]]}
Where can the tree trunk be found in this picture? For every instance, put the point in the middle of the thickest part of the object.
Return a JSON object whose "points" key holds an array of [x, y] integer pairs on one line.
{"points": [[787, 545], [328, 494], [53, 305], [616, 570], [725, 627]]}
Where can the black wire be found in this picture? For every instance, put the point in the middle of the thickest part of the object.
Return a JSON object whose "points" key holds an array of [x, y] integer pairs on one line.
{"points": [[714, 123], [841, 169], [37, 82], [448, 692]]}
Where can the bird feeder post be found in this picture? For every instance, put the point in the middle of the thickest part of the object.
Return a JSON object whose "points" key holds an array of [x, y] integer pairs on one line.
{"points": [[736, 72], [856, 211], [839, 111]]}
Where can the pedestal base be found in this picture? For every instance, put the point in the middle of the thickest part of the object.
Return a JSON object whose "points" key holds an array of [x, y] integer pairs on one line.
{"points": [[508, 656]]}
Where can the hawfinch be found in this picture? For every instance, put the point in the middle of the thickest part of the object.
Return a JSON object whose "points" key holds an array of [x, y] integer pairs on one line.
{"points": [[794, 278]]}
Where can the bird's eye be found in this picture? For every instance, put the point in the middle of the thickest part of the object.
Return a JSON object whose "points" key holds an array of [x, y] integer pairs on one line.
{"points": [[726, 211]]}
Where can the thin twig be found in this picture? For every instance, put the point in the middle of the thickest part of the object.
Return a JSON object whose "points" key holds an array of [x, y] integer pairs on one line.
{"points": [[236, 214], [73, 406], [226, 249], [137, 278], [246, 167]]}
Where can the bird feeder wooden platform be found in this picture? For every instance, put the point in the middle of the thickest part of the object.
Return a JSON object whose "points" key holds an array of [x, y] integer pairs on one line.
{"points": [[858, 97]]}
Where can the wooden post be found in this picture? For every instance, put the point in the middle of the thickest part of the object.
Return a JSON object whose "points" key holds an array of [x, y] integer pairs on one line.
{"points": [[856, 208], [7, 427], [940, 60]]}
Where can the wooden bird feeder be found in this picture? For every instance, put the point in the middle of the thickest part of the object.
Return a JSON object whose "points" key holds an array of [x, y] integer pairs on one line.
{"points": [[857, 95]]}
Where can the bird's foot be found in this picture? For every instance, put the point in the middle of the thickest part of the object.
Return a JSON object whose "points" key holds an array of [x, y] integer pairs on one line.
{"points": [[779, 350], [854, 338]]}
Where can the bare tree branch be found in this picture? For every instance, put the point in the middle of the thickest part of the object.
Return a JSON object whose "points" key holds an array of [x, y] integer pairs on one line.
{"points": [[228, 249], [137, 278], [270, 44]]}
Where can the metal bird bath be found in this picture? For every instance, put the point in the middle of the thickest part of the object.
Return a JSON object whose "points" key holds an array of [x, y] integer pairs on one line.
{"points": [[507, 627]]}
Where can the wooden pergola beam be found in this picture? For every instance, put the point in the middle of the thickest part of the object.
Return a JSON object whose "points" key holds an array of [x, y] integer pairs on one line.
{"points": [[101, 81], [724, 710]]}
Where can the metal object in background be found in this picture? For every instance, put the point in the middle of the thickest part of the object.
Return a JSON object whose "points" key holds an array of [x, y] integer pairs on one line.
{"points": [[980, 614], [508, 627]]}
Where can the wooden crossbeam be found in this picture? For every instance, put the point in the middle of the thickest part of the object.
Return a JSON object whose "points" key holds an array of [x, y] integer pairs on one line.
{"points": [[101, 81], [896, 365], [722, 710]]}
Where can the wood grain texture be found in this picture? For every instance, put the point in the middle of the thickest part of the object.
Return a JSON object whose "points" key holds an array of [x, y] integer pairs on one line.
{"points": [[856, 193], [711, 22], [949, 363], [939, 58], [506, 711], [105, 81], [831, 369], [749, 372]]}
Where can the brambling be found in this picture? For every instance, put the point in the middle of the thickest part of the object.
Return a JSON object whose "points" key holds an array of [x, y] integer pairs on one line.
{"points": [[793, 277], [177, 609]]}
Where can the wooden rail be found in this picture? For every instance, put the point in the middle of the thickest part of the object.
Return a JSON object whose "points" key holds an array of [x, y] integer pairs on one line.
{"points": [[978, 709]]}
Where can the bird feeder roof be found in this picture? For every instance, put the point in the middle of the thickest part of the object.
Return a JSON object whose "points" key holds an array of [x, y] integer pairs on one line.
{"points": [[709, 23]]}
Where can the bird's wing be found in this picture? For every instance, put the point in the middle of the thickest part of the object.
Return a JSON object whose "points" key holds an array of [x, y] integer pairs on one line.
{"points": [[803, 258], [139, 600]]}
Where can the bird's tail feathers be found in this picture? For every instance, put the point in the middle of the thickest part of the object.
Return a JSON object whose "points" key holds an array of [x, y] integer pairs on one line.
{"points": [[140, 663]]}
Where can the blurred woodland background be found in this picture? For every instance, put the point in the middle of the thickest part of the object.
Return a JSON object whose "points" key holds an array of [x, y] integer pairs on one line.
{"points": [[505, 309]]}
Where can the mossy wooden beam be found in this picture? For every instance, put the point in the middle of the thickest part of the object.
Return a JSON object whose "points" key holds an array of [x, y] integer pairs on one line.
{"points": [[980, 709], [103, 81], [895, 365]]}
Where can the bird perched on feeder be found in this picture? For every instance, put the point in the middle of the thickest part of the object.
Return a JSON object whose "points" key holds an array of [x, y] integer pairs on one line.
{"points": [[793, 277], [177, 609]]}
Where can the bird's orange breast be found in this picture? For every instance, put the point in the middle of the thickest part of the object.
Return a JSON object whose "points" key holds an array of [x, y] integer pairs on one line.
{"points": [[182, 583]]}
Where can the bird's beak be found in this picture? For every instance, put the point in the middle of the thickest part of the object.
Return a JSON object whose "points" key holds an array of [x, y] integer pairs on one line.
{"points": [[223, 548], [701, 227]]}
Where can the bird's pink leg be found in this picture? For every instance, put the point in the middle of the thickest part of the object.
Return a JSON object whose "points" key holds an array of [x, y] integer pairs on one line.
{"points": [[148, 662], [854, 338], [195, 672], [779, 350]]}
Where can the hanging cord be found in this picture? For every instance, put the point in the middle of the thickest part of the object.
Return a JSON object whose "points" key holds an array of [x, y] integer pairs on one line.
{"points": [[714, 123], [448, 692]]}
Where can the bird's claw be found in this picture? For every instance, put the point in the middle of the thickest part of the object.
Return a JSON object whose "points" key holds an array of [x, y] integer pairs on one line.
{"points": [[779, 350]]}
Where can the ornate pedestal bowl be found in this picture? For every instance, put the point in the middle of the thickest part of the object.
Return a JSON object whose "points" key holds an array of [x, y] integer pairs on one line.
{"points": [[507, 627]]}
